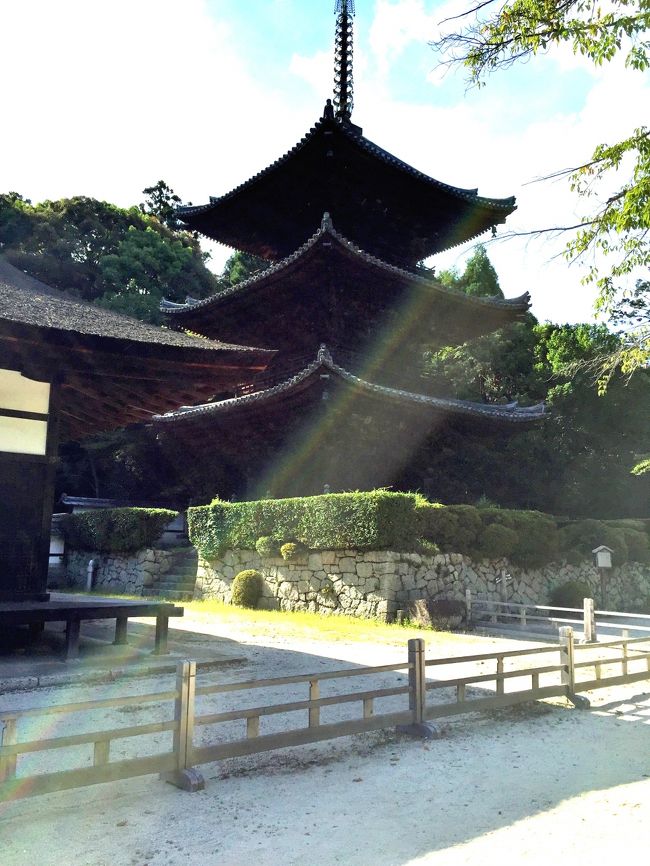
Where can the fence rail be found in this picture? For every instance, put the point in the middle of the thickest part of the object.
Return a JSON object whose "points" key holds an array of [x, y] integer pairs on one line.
{"points": [[615, 662], [480, 610]]}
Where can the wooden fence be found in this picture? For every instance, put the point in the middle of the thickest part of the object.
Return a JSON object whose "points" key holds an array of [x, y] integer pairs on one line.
{"points": [[14, 786], [586, 617], [516, 676]]}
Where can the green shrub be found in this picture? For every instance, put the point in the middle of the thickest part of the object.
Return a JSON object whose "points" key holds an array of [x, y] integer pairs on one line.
{"points": [[454, 528], [538, 538], [574, 557], [266, 545], [638, 545], [571, 593], [292, 551], [115, 530], [378, 520], [496, 541], [584, 536], [247, 588]]}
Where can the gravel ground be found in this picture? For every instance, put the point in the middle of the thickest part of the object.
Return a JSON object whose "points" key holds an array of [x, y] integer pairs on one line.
{"points": [[511, 786]]}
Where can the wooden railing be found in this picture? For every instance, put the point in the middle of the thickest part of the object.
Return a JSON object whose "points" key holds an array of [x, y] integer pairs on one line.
{"points": [[314, 729], [103, 769], [615, 662], [586, 617]]}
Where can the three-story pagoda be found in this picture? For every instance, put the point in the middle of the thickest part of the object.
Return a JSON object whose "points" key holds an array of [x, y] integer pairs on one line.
{"points": [[345, 302]]}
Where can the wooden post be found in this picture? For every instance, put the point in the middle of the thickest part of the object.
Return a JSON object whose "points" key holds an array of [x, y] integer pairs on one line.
{"points": [[120, 631], [72, 639], [625, 657], [567, 659], [162, 630], [522, 616], [102, 753], [8, 738], [589, 621], [185, 776], [417, 693], [468, 605], [499, 677], [568, 673], [314, 695]]}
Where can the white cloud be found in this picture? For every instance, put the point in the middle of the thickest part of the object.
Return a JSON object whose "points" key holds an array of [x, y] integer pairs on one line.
{"points": [[395, 25], [103, 100]]}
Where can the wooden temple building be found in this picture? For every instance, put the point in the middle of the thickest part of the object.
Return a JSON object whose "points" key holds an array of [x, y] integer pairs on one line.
{"points": [[69, 369], [344, 226]]}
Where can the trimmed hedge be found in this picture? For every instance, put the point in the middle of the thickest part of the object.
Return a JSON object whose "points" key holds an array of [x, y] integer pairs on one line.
{"points": [[363, 521], [382, 520], [115, 530]]}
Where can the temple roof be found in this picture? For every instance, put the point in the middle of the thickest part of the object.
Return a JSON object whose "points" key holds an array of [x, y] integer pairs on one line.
{"points": [[323, 365], [114, 369], [345, 291], [378, 201]]}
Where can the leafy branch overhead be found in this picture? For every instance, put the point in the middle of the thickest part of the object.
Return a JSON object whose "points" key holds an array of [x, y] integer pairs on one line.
{"points": [[493, 35]]}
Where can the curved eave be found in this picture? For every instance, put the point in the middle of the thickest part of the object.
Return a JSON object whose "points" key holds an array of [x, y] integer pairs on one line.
{"points": [[518, 305], [506, 205], [208, 218], [509, 414]]}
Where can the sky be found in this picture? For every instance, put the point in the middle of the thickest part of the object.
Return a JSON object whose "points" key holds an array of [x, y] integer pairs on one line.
{"points": [[105, 98]]}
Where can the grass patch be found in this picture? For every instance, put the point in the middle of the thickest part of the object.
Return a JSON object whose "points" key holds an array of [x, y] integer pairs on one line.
{"points": [[313, 626], [297, 625]]}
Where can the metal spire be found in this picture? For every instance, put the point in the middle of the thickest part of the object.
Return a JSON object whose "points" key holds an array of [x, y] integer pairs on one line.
{"points": [[343, 82]]}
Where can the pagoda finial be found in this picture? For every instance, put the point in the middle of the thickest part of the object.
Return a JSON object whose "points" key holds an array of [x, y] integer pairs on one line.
{"points": [[343, 82]]}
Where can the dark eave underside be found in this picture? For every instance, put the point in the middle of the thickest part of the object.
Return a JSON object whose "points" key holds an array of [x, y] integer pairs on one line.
{"points": [[323, 365], [378, 201], [111, 375], [343, 290]]}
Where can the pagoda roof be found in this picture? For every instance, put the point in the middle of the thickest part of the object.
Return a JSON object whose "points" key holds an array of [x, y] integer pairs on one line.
{"points": [[330, 265], [311, 376], [114, 369], [385, 205]]}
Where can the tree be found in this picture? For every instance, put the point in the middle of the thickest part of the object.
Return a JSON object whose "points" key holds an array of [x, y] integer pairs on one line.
{"points": [[480, 278], [162, 202], [120, 258], [499, 34]]}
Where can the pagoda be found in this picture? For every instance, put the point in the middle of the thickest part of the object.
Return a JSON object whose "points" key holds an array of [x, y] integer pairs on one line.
{"points": [[347, 305]]}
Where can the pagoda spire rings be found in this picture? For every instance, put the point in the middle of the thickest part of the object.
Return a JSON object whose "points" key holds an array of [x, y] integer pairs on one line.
{"points": [[343, 68]]}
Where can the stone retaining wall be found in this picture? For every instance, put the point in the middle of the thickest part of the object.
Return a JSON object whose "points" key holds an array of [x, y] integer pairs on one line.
{"points": [[378, 583], [133, 574]]}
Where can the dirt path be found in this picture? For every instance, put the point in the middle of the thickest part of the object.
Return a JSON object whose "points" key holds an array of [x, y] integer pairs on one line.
{"points": [[517, 786]]}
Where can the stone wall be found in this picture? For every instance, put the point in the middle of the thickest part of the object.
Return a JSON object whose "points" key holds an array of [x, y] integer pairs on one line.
{"points": [[378, 583], [134, 574]]}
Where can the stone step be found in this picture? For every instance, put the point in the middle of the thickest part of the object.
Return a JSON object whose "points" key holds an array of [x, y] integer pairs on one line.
{"points": [[187, 573], [173, 583], [175, 594]]}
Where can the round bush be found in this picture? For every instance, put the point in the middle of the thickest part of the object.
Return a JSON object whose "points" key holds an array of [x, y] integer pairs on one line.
{"points": [[247, 588], [266, 545], [571, 593], [496, 541], [291, 551]]}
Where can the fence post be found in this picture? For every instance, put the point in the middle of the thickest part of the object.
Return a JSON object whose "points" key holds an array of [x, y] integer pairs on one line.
{"points": [[417, 693], [8, 738], [589, 621], [468, 606], [568, 673], [184, 776]]}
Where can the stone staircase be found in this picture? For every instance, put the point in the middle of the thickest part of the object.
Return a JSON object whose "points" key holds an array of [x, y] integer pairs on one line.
{"points": [[177, 584]]}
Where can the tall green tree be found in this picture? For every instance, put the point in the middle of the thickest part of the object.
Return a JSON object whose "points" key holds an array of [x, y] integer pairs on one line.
{"points": [[121, 258], [494, 34], [161, 201]]}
